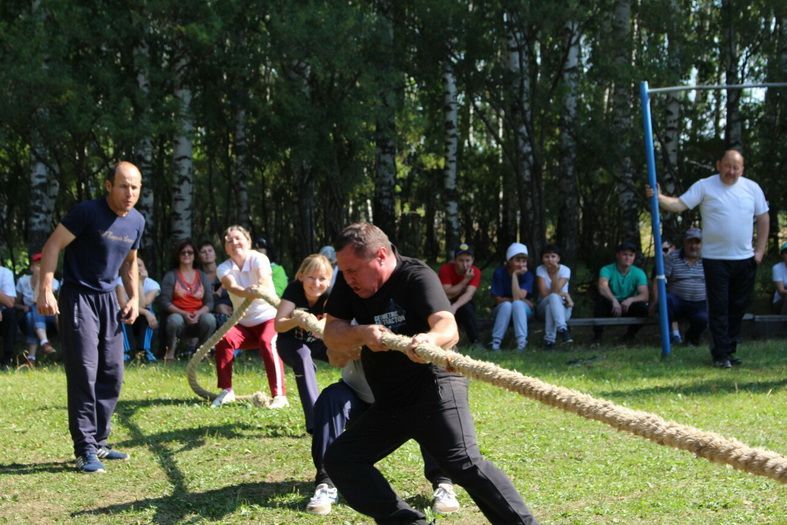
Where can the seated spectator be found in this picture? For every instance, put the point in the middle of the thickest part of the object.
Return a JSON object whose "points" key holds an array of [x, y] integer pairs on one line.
{"points": [[330, 253], [245, 270], [222, 306], [460, 280], [685, 289], [780, 283], [280, 279], [34, 325], [512, 289], [623, 291], [139, 336], [186, 299], [296, 346], [339, 405], [556, 304], [7, 316], [667, 247]]}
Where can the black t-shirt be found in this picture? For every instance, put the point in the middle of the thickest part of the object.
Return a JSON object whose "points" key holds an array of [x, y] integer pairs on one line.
{"points": [[403, 304], [295, 294], [102, 242]]}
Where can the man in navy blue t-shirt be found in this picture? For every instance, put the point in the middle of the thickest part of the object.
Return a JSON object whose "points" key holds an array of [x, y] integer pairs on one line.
{"points": [[100, 238]]}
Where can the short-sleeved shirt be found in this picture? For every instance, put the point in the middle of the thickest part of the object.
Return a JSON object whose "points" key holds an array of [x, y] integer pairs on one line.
{"points": [[448, 276], [296, 295], [353, 375], [150, 285], [728, 214], [687, 281], [779, 273], [102, 242], [25, 288], [501, 283], [403, 304], [563, 272], [7, 282], [256, 268], [623, 286]]}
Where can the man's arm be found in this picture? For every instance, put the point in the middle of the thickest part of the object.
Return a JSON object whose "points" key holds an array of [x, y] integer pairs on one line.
{"points": [[465, 298], [763, 226], [604, 291], [642, 296], [443, 332], [129, 273], [60, 238], [673, 204]]}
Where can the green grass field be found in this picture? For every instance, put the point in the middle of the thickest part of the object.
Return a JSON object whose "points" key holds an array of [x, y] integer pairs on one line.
{"points": [[242, 464]]}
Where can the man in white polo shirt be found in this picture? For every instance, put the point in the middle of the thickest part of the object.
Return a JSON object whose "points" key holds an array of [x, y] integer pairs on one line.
{"points": [[730, 204]]}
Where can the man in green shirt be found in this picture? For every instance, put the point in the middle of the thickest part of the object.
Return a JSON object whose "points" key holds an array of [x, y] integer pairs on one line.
{"points": [[623, 291]]}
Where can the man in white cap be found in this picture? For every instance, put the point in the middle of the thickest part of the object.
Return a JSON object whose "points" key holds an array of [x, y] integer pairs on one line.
{"points": [[512, 290]]}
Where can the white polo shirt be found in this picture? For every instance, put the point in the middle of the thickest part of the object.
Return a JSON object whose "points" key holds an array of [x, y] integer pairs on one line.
{"points": [[728, 214], [7, 285], [256, 270]]}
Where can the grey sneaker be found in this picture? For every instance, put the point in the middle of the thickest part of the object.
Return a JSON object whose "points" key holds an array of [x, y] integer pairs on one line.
{"points": [[565, 336], [444, 500], [324, 497], [227, 396], [88, 463]]}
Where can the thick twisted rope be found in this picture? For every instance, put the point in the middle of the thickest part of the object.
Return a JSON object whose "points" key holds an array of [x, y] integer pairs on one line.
{"points": [[708, 445]]}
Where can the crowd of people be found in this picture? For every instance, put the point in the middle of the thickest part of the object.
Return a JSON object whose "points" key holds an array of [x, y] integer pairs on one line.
{"points": [[360, 289]]}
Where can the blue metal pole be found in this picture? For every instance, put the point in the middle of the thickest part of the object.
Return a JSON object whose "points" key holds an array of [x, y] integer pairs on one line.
{"points": [[655, 219]]}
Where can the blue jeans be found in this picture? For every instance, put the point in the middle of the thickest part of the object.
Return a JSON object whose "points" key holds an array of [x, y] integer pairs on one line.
{"points": [[34, 320], [695, 311], [520, 312]]}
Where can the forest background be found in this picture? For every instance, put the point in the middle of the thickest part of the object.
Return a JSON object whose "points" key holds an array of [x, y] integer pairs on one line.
{"points": [[439, 120]]}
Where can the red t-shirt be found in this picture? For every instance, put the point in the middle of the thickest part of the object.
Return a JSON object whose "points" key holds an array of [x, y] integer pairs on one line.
{"points": [[448, 275]]}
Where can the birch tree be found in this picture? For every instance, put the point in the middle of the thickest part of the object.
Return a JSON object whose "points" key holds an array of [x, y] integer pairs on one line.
{"points": [[449, 171], [569, 211], [143, 156], [733, 130], [183, 162], [621, 122]]}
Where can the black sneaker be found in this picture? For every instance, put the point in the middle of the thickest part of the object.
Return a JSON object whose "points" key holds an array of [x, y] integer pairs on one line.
{"points": [[565, 336], [88, 463], [107, 453], [722, 363], [549, 345], [734, 361]]}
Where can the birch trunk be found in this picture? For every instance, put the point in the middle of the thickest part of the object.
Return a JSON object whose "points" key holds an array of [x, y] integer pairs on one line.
{"points": [[568, 214], [143, 158], [182, 190], [672, 129], [531, 225], [733, 135], [242, 169], [449, 172], [43, 193], [621, 124], [385, 133]]}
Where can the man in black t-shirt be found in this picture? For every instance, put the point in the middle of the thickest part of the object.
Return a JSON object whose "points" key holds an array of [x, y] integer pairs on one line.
{"points": [[100, 239], [385, 292]]}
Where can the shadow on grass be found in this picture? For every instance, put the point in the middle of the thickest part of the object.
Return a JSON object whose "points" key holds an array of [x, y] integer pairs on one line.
{"points": [[20, 469], [213, 504], [712, 386]]}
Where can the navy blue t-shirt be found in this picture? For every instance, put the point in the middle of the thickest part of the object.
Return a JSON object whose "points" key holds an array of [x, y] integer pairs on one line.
{"points": [[103, 239], [295, 294], [403, 304]]}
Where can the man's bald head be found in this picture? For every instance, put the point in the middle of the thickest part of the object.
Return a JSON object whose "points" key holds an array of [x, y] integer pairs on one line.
{"points": [[730, 166], [123, 168]]}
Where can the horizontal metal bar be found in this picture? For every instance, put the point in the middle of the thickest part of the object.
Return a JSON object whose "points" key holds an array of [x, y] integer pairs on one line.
{"points": [[673, 89]]}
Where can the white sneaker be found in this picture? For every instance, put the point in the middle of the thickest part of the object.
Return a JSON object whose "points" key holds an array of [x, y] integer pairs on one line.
{"points": [[279, 402], [227, 396], [324, 497], [444, 500]]}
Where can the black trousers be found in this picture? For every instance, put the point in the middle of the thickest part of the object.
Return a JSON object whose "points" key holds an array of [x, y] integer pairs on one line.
{"points": [[441, 423], [603, 308], [8, 332], [92, 343], [466, 319], [728, 286]]}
